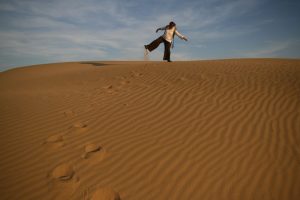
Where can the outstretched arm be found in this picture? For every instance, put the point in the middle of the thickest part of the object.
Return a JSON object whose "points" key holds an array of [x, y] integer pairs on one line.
{"points": [[181, 36], [161, 29]]}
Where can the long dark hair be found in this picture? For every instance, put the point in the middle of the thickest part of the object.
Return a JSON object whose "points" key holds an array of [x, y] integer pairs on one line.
{"points": [[171, 25]]}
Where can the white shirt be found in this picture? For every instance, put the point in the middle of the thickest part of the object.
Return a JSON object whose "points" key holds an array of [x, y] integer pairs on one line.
{"points": [[168, 34]]}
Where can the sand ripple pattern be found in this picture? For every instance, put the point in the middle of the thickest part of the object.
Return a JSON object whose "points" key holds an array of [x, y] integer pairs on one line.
{"points": [[226, 129]]}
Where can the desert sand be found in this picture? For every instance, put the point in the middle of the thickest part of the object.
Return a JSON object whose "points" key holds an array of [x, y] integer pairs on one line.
{"points": [[211, 130]]}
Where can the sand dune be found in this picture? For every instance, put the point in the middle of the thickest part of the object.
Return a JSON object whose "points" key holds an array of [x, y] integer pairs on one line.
{"points": [[225, 129]]}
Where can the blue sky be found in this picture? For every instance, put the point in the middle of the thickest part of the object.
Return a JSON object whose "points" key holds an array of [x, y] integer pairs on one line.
{"points": [[35, 31]]}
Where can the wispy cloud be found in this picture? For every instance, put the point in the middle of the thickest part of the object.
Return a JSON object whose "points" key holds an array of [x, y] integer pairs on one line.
{"points": [[59, 30], [271, 48]]}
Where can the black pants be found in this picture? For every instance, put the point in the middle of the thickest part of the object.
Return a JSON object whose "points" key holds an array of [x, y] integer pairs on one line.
{"points": [[153, 45]]}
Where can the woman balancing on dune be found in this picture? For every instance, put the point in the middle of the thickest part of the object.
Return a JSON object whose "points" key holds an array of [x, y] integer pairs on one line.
{"points": [[167, 38]]}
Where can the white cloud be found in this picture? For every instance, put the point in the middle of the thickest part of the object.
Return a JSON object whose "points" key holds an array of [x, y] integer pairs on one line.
{"points": [[76, 29], [270, 49]]}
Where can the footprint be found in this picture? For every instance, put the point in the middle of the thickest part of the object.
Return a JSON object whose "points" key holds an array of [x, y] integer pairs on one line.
{"points": [[63, 182], [125, 82], [182, 79], [79, 127], [107, 87], [55, 141], [90, 149], [54, 138], [94, 153], [69, 113], [110, 89], [105, 193], [136, 74], [63, 172]]}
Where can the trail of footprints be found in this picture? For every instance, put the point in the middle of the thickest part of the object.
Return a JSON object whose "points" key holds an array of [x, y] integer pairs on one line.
{"points": [[123, 81], [64, 174]]}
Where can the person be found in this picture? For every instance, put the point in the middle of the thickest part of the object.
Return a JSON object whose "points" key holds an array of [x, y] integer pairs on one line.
{"points": [[167, 38]]}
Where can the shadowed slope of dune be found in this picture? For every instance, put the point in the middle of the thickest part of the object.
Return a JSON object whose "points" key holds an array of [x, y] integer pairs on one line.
{"points": [[226, 129]]}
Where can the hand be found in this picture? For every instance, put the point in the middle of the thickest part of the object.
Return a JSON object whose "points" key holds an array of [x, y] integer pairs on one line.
{"points": [[184, 38]]}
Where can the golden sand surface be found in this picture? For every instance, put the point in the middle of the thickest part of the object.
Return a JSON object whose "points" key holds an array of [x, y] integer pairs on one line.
{"points": [[203, 130]]}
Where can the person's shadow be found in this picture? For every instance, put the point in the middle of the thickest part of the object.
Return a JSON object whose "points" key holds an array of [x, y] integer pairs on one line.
{"points": [[93, 63]]}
